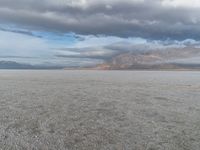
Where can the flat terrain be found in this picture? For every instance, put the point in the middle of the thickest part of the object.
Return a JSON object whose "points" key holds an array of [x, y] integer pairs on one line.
{"points": [[99, 110]]}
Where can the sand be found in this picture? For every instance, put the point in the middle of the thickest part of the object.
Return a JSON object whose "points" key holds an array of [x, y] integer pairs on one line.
{"points": [[99, 110]]}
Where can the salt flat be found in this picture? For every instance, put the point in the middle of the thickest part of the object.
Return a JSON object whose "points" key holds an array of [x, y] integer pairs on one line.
{"points": [[99, 110]]}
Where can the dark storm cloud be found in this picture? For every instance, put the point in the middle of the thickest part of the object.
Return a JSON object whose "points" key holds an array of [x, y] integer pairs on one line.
{"points": [[151, 19]]}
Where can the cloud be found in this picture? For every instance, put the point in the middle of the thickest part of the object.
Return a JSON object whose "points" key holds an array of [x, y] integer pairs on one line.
{"points": [[17, 44], [20, 57], [86, 50], [25, 49], [108, 51], [29, 33], [150, 19], [90, 52]]}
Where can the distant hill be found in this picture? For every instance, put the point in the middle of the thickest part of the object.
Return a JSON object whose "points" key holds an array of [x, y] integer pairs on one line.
{"points": [[15, 65], [153, 59], [159, 59]]}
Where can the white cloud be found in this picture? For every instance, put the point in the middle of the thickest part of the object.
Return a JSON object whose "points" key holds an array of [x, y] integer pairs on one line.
{"points": [[181, 3], [96, 41], [22, 45]]}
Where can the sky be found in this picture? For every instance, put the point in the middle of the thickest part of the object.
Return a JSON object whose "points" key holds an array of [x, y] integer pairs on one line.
{"points": [[88, 32]]}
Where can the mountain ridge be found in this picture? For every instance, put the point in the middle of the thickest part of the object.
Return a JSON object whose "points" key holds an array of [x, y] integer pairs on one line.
{"points": [[16, 65], [153, 59]]}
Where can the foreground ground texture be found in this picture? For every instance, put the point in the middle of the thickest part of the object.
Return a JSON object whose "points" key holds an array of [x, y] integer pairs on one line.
{"points": [[97, 110]]}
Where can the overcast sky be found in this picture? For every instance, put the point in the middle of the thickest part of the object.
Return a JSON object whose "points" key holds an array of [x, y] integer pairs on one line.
{"points": [[82, 32]]}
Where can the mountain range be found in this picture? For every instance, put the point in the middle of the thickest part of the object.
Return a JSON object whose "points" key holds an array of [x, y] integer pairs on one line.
{"points": [[171, 58], [16, 65], [187, 58]]}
